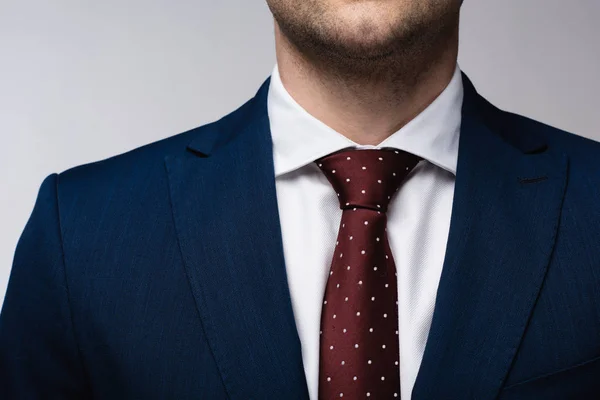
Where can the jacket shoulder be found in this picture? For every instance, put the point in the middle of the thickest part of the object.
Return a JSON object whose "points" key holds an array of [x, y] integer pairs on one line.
{"points": [[146, 160], [583, 177], [579, 149]]}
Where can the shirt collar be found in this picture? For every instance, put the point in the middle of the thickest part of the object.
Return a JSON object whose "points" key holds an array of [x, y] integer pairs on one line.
{"points": [[299, 138]]}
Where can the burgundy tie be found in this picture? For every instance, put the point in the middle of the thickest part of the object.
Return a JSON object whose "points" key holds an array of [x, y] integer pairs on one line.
{"points": [[359, 350]]}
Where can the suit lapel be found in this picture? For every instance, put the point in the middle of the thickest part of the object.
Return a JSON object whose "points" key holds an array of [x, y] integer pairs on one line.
{"points": [[507, 203], [225, 211]]}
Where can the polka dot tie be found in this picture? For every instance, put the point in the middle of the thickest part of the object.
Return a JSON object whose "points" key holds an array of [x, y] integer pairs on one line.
{"points": [[359, 350]]}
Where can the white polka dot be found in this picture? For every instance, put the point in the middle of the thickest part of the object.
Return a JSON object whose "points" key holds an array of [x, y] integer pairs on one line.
{"points": [[360, 282], [363, 252], [320, 332], [348, 180], [369, 362], [355, 378], [366, 222], [331, 273], [341, 394], [346, 299], [386, 285], [328, 379], [320, 165], [338, 285], [348, 158], [343, 225], [383, 346], [348, 268], [386, 257], [330, 347], [372, 298], [383, 378], [378, 206], [396, 362], [395, 394], [396, 152], [370, 329], [334, 315], [407, 168], [343, 362], [351, 237], [396, 332], [347, 204], [344, 330], [325, 302], [377, 239], [364, 168], [363, 191], [380, 159], [356, 346], [358, 314], [368, 394], [341, 255], [379, 181], [354, 209], [333, 171], [392, 174], [384, 315], [374, 268], [336, 243]]}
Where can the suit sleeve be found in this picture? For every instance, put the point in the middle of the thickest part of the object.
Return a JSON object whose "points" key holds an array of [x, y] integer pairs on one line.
{"points": [[39, 357]]}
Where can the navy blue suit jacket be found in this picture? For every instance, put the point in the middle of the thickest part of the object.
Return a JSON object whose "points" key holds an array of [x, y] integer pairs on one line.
{"points": [[159, 273]]}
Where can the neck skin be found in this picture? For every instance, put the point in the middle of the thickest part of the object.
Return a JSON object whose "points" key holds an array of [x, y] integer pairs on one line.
{"points": [[363, 109]]}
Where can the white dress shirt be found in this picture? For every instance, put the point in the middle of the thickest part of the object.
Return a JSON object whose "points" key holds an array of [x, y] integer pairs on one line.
{"points": [[418, 216]]}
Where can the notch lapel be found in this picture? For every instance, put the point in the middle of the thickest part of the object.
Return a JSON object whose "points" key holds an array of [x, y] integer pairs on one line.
{"points": [[225, 210], [507, 204]]}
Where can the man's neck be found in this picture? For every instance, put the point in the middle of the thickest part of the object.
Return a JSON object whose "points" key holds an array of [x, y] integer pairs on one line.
{"points": [[365, 108]]}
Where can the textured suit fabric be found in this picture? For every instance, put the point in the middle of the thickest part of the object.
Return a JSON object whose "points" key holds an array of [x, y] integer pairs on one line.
{"points": [[159, 274]]}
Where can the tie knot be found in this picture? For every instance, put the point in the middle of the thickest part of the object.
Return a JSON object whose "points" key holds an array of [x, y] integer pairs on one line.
{"points": [[367, 178]]}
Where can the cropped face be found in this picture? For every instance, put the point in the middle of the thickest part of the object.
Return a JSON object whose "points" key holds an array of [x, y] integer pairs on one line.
{"points": [[363, 29]]}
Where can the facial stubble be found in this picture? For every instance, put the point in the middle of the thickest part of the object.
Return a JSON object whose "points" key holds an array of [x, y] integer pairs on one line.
{"points": [[411, 47]]}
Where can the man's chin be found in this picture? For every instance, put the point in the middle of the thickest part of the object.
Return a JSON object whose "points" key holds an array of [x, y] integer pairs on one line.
{"points": [[363, 52], [361, 48]]}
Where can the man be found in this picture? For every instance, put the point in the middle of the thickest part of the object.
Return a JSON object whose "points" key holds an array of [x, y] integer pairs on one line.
{"points": [[367, 226]]}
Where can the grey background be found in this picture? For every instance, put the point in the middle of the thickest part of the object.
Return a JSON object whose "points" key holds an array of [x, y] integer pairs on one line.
{"points": [[83, 80]]}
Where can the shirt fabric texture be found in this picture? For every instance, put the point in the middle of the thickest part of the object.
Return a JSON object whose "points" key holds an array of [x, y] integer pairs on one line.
{"points": [[418, 216]]}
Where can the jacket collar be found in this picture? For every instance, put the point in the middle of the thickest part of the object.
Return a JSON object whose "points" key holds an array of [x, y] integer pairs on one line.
{"points": [[508, 196]]}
